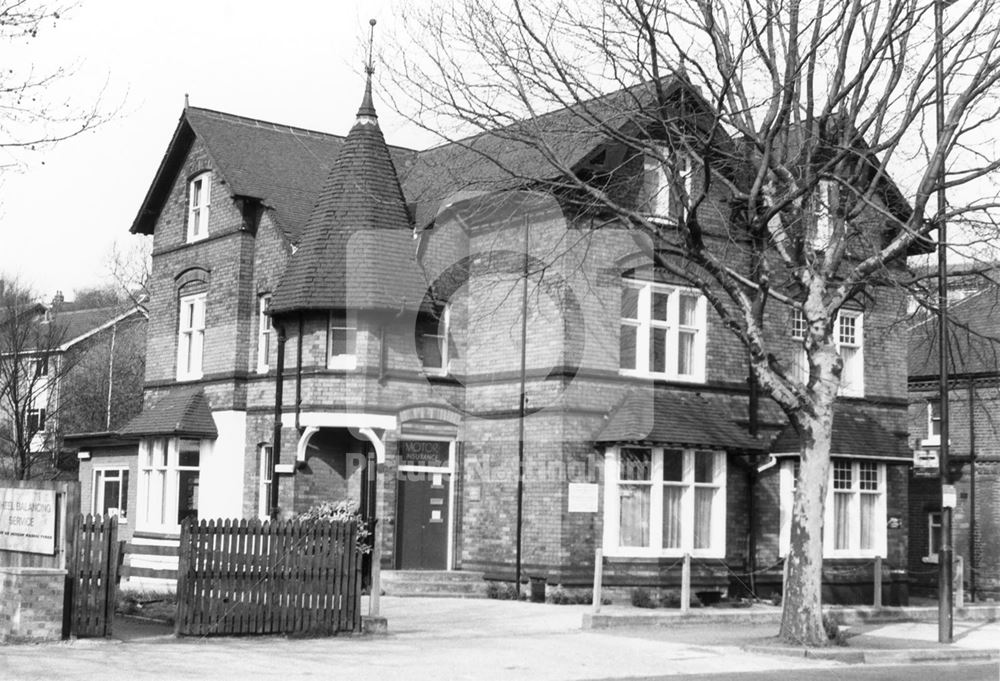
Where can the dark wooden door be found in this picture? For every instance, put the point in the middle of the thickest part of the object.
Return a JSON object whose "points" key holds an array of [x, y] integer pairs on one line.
{"points": [[422, 521]]}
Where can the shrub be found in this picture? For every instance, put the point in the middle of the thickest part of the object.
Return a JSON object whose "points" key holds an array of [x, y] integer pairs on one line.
{"points": [[641, 598], [833, 632], [562, 596], [503, 591], [341, 512]]}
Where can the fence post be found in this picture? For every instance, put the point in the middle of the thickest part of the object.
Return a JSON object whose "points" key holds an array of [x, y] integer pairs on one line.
{"points": [[959, 574], [375, 594], [878, 581], [686, 584], [598, 578]]}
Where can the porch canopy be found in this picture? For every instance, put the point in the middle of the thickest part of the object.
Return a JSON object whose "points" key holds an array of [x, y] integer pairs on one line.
{"points": [[683, 419], [855, 435], [183, 413]]}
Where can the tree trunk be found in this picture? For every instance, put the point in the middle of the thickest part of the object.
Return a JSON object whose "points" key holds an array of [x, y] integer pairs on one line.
{"points": [[802, 615]]}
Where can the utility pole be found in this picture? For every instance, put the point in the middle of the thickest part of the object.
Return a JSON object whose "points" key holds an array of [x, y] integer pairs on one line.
{"points": [[945, 551]]}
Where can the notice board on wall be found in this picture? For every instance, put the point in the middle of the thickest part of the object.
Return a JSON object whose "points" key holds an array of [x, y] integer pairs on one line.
{"points": [[28, 520]]}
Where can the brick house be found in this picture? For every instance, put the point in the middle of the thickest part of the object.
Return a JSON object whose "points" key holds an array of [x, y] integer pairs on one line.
{"points": [[418, 358], [974, 435]]}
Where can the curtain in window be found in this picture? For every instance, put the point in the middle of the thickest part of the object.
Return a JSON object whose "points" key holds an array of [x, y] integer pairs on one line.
{"points": [[634, 525], [672, 516], [868, 521], [841, 521], [703, 497]]}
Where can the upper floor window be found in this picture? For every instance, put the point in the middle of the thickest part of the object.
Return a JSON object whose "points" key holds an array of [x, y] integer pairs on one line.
{"points": [[855, 508], [433, 337], [264, 330], [199, 198], [191, 337], [343, 337], [39, 367], [849, 339], [663, 331], [36, 420], [933, 423], [664, 172], [826, 191], [661, 502]]}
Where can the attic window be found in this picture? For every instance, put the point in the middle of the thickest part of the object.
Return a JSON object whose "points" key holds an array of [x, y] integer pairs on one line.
{"points": [[199, 198], [664, 173]]}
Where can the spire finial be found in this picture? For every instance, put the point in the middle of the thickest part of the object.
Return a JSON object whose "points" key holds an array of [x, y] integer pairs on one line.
{"points": [[366, 114], [370, 66]]}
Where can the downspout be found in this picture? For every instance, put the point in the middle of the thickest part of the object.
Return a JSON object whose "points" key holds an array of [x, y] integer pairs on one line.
{"points": [[111, 375], [972, 490], [754, 427], [521, 414], [279, 376], [298, 376]]}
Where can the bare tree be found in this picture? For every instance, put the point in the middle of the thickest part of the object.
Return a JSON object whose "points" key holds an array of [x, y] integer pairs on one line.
{"points": [[129, 269], [791, 114], [31, 115], [30, 367]]}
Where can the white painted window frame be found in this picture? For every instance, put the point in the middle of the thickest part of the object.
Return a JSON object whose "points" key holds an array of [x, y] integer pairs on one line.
{"points": [[265, 453], [644, 324], [852, 381], [199, 206], [264, 333], [191, 336], [345, 361], [159, 480], [657, 188], [99, 476], [786, 490], [443, 335], [612, 508]]}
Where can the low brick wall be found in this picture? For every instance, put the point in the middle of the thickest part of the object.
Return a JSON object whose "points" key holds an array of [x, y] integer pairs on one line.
{"points": [[31, 604]]}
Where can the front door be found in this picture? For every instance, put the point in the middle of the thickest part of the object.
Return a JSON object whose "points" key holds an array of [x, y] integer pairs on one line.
{"points": [[422, 521]]}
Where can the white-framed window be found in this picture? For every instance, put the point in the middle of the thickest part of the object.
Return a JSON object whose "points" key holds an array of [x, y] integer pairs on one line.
{"points": [[266, 460], [38, 367], [434, 341], [343, 338], [111, 493], [662, 331], [199, 199], [933, 424], [848, 337], [664, 502], [660, 180], [36, 420], [169, 473], [933, 536], [855, 508], [264, 333], [191, 337]]}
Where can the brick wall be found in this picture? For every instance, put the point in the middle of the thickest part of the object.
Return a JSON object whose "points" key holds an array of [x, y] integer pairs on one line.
{"points": [[31, 604]]}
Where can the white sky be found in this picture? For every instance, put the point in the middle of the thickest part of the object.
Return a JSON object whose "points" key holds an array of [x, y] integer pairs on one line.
{"points": [[298, 62]]}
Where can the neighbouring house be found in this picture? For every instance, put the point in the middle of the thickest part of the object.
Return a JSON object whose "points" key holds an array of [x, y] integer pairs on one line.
{"points": [[333, 318], [974, 443], [77, 369]]}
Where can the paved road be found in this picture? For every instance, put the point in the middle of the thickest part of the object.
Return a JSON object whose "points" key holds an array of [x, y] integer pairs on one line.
{"points": [[429, 640], [985, 671]]}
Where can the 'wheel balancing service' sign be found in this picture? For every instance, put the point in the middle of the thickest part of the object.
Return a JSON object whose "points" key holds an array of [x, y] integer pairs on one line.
{"points": [[28, 520]]}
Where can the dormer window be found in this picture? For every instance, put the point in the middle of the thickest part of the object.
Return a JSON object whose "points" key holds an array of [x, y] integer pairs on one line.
{"points": [[664, 172], [199, 198]]}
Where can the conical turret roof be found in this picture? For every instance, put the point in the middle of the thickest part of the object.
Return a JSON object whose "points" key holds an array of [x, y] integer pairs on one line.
{"points": [[361, 194]]}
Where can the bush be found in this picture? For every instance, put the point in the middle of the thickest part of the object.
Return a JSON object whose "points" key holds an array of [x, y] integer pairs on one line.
{"points": [[833, 633], [562, 596], [641, 598], [503, 591], [341, 512]]}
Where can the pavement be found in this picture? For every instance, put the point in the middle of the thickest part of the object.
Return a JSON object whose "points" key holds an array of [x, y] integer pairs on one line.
{"points": [[442, 638]]}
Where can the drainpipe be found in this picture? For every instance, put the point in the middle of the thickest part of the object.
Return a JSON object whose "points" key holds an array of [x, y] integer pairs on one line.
{"points": [[276, 442], [972, 491], [753, 405], [298, 377], [111, 375], [521, 414]]}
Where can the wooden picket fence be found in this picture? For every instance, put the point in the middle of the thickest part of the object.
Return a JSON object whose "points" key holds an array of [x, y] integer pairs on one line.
{"points": [[253, 577], [92, 576]]}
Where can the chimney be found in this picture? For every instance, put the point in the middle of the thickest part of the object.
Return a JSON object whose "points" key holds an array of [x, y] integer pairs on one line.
{"points": [[58, 299]]}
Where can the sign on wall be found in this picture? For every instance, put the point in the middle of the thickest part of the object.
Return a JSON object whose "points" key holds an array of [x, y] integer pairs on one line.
{"points": [[430, 453], [28, 520], [582, 497]]}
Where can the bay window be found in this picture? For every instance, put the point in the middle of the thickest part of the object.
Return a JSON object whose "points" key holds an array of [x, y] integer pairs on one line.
{"points": [[169, 474], [433, 337], [854, 524], [662, 331], [664, 502], [343, 336]]}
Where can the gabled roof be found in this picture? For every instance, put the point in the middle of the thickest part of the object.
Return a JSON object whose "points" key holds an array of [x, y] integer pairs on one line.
{"points": [[361, 196], [66, 328], [281, 165], [855, 434], [181, 412], [973, 333], [675, 418]]}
